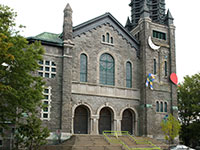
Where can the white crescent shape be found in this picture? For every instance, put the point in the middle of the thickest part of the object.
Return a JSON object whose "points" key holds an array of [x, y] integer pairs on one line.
{"points": [[152, 45]]}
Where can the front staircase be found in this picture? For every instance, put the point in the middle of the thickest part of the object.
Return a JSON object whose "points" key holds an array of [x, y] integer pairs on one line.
{"points": [[108, 141], [84, 142]]}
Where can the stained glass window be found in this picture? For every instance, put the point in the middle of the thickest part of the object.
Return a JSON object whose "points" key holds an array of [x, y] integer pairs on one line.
{"points": [[128, 75], [83, 68], [107, 69]]}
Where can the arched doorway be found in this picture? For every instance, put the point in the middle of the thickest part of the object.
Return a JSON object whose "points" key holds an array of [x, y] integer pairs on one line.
{"points": [[127, 121], [81, 119], [105, 120]]}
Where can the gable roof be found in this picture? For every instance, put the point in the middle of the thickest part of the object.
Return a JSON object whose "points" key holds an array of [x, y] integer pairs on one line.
{"points": [[106, 18]]}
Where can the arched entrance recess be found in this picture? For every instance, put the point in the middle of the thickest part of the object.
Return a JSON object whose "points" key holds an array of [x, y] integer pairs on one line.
{"points": [[81, 120], [127, 121], [105, 120]]}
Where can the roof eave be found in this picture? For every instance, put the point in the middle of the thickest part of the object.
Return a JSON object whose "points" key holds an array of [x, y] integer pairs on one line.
{"points": [[45, 42]]}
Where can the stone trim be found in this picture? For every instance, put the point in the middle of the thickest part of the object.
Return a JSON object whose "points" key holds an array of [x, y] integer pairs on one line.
{"points": [[105, 91], [109, 106]]}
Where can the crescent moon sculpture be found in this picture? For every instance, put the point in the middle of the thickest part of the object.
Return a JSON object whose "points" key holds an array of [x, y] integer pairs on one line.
{"points": [[152, 45]]}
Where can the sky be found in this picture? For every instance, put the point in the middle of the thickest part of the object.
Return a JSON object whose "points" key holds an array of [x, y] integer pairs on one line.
{"points": [[47, 16]]}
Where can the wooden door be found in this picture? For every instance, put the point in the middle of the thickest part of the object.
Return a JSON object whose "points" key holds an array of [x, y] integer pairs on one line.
{"points": [[127, 121], [81, 120], [104, 120]]}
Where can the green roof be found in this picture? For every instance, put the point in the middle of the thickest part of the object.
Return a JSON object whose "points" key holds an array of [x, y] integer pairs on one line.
{"points": [[48, 38]]}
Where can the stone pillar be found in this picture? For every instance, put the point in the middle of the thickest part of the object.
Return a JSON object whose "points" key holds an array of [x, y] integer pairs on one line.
{"points": [[66, 114], [66, 83], [135, 129], [95, 123], [118, 123]]}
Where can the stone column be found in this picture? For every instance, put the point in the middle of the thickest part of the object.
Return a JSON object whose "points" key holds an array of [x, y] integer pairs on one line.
{"points": [[94, 128], [118, 123]]}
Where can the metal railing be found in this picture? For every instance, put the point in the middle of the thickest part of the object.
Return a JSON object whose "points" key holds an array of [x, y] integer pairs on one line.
{"points": [[113, 137]]}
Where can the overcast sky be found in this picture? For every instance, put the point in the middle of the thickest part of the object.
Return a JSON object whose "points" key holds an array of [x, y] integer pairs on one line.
{"points": [[47, 16]]}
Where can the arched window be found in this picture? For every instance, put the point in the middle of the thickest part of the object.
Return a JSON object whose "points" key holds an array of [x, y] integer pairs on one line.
{"points": [[161, 106], [83, 68], [165, 106], [165, 68], [157, 106], [128, 75], [111, 40], [154, 66], [107, 37], [107, 69], [103, 38]]}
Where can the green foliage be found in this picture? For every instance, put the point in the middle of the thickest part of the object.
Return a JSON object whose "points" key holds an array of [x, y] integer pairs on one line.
{"points": [[170, 128], [189, 109], [30, 135], [20, 90]]}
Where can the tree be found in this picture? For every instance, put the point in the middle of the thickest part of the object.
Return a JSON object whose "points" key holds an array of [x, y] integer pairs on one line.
{"points": [[170, 127], [32, 126], [20, 90], [6, 20], [189, 110]]}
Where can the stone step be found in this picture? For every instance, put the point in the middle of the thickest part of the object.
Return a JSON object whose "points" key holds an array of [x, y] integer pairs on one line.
{"points": [[127, 140], [65, 147], [96, 148], [98, 142]]}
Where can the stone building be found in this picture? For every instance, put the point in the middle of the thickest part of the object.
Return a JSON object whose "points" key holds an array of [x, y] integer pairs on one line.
{"points": [[96, 73]]}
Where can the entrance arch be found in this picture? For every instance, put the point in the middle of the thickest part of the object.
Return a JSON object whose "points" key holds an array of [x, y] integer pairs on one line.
{"points": [[105, 120], [81, 119], [127, 121]]}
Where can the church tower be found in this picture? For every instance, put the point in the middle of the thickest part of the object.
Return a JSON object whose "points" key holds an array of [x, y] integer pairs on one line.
{"points": [[155, 32], [156, 10]]}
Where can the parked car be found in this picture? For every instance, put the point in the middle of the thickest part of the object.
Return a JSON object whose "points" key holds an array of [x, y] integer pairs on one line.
{"points": [[181, 147]]}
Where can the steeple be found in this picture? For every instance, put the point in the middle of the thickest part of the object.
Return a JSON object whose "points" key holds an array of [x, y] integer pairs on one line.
{"points": [[128, 24], [145, 10], [155, 9], [67, 25], [169, 19]]}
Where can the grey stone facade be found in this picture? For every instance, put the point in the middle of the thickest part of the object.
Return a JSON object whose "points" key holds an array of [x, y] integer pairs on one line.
{"points": [[68, 93]]}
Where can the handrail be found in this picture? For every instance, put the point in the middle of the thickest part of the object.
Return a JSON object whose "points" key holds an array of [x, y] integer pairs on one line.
{"points": [[116, 134]]}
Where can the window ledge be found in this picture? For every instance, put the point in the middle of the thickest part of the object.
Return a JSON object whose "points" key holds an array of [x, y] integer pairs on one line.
{"points": [[45, 119], [110, 44]]}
